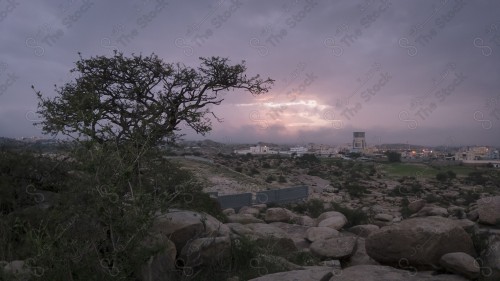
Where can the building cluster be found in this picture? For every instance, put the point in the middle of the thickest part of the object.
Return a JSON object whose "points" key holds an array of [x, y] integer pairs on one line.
{"points": [[358, 145], [466, 155]]}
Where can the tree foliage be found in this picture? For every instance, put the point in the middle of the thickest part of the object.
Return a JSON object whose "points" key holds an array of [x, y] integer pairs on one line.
{"points": [[393, 156], [141, 99], [113, 180]]}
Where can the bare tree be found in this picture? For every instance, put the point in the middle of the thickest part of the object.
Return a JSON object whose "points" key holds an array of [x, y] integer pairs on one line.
{"points": [[141, 99]]}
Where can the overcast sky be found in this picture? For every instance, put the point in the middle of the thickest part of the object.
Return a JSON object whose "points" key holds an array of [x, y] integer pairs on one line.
{"points": [[423, 72]]}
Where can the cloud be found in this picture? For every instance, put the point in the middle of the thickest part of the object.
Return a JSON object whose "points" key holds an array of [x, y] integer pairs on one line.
{"points": [[325, 58]]}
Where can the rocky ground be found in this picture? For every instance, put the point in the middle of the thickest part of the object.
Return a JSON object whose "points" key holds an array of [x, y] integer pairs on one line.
{"points": [[432, 245], [414, 228]]}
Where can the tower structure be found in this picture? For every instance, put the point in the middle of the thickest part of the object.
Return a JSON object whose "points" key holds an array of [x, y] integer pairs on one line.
{"points": [[358, 142]]}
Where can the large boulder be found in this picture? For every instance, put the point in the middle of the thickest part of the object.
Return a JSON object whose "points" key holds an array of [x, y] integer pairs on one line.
{"points": [[304, 220], [160, 266], [461, 263], [360, 256], [489, 210], [239, 229], [416, 205], [467, 225], [249, 210], [420, 242], [387, 273], [320, 233], [205, 251], [332, 219], [229, 211], [278, 215], [276, 262], [333, 222], [334, 248], [181, 226], [363, 230], [431, 210], [272, 237], [19, 270], [330, 214], [295, 231], [384, 217], [243, 219], [310, 273], [491, 259], [357, 273]]}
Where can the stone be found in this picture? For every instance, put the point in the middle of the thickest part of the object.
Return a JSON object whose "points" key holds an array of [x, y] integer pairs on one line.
{"points": [[420, 242], [363, 230], [466, 224], [491, 257], [320, 233], [243, 219], [356, 273], [229, 211], [260, 207], [304, 220], [205, 251], [360, 256], [473, 215], [19, 269], [489, 210], [415, 206], [160, 266], [332, 219], [428, 211], [377, 209], [249, 210], [239, 230], [309, 273], [384, 217], [295, 231], [330, 214], [180, 226], [277, 263], [278, 215], [334, 248], [461, 263], [272, 236], [387, 273], [457, 212], [381, 223]]}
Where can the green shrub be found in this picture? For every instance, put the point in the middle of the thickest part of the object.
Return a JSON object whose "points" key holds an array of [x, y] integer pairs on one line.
{"points": [[442, 177], [312, 208], [354, 216], [281, 179], [270, 179], [393, 156], [356, 190], [405, 211], [254, 171], [475, 177], [304, 258]]}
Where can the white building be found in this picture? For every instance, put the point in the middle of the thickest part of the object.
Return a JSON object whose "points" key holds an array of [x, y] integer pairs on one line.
{"points": [[475, 153], [258, 149], [299, 150]]}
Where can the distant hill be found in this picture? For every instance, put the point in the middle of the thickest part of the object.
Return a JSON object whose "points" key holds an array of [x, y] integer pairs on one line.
{"points": [[400, 146]]}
